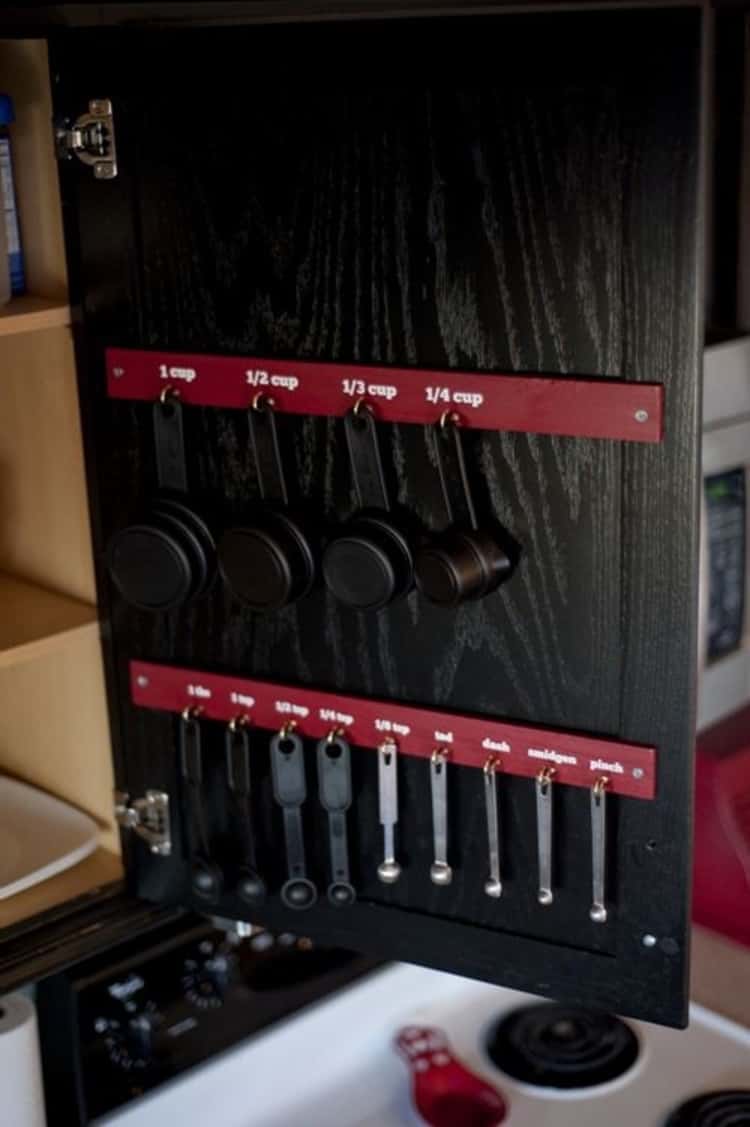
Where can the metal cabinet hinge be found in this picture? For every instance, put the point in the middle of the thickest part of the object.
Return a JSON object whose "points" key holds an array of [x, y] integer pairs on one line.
{"points": [[91, 138], [148, 817]]}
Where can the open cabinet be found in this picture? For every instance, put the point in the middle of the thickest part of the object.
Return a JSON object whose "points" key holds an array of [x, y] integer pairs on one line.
{"points": [[367, 264], [54, 730]]}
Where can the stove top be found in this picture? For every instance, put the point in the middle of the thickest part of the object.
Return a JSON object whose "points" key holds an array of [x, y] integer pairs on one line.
{"points": [[713, 1109], [554, 1066]]}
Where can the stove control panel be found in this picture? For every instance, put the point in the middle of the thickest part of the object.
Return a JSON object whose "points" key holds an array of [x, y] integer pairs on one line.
{"points": [[137, 1021]]}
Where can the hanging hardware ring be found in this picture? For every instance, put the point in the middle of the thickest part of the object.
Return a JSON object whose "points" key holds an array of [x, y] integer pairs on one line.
{"points": [[546, 775], [333, 735], [361, 405], [168, 394], [439, 756], [388, 748], [287, 729], [191, 712], [262, 402], [600, 786], [238, 722], [449, 418], [491, 766]]}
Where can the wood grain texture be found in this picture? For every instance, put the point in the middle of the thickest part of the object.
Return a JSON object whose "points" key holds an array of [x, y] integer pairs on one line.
{"points": [[661, 524], [536, 212]]}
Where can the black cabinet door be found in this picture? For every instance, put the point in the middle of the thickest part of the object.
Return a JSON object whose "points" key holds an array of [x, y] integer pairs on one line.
{"points": [[497, 194]]}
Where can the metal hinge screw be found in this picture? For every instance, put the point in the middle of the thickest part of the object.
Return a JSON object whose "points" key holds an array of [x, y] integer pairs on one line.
{"points": [[148, 817]]}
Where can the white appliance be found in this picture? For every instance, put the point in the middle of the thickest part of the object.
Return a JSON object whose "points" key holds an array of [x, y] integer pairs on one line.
{"points": [[335, 1065]]}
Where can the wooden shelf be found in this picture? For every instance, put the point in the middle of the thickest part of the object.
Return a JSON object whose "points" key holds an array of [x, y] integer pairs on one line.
{"points": [[42, 477], [94, 872], [63, 688], [50, 655], [34, 621], [28, 313]]}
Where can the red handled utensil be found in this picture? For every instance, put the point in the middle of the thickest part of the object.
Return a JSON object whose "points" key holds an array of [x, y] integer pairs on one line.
{"points": [[444, 1091]]}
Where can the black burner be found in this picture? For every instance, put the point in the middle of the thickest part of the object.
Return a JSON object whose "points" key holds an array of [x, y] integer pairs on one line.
{"points": [[557, 1046], [714, 1109]]}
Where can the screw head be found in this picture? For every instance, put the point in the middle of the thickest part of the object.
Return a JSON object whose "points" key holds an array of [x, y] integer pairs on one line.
{"points": [[142, 681], [649, 940], [638, 772], [641, 416]]}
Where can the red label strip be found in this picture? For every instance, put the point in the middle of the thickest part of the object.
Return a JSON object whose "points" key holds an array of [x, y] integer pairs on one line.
{"points": [[532, 404], [578, 760]]}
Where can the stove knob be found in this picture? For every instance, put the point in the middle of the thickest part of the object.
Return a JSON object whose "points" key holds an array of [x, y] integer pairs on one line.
{"points": [[206, 983], [131, 1046], [140, 1036]]}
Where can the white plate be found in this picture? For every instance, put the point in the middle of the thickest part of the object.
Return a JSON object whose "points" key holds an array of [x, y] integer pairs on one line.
{"points": [[40, 836]]}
